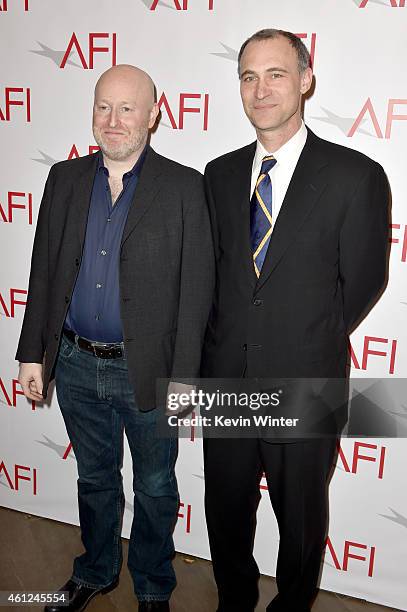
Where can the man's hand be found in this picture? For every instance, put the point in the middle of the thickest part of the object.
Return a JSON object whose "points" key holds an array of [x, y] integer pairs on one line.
{"points": [[177, 397], [30, 378]]}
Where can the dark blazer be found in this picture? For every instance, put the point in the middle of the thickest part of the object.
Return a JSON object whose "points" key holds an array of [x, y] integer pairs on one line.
{"points": [[166, 270], [325, 265]]}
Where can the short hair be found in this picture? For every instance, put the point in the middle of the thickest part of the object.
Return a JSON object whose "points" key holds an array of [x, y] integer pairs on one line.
{"points": [[304, 59]]}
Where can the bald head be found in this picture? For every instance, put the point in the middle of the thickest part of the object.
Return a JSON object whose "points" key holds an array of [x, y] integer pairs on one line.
{"points": [[124, 110], [128, 78]]}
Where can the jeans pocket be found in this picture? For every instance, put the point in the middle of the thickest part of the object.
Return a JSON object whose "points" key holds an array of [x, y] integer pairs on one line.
{"points": [[66, 348]]}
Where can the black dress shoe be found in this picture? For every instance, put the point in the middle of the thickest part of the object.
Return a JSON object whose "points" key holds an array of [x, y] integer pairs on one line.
{"points": [[154, 606], [78, 596]]}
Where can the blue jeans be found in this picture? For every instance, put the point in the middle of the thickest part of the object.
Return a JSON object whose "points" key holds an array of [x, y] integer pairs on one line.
{"points": [[97, 404]]}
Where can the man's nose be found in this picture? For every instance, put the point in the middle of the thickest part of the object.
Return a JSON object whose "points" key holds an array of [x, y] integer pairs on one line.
{"points": [[113, 118], [263, 89]]}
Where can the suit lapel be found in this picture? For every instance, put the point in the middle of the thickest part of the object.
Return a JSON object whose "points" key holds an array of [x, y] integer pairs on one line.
{"points": [[82, 192], [240, 195], [147, 188], [304, 190]]}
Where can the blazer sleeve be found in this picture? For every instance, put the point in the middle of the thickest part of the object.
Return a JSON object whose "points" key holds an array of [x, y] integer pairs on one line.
{"points": [[31, 346], [364, 246], [196, 282]]}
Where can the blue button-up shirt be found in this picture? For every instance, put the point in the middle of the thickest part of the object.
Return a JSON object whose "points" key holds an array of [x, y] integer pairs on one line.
{"points": [[94, 312]]}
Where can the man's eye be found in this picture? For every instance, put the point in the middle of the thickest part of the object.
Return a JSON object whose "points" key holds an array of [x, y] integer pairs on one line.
{"points": [[126, 109], [248, 79], [276, 75]]}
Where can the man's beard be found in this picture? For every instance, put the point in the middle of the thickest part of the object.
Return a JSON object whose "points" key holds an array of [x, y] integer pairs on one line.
{"points": [[124, 150]]}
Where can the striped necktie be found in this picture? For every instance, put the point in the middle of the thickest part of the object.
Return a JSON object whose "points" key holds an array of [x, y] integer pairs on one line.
{"points": [[260, 214]]}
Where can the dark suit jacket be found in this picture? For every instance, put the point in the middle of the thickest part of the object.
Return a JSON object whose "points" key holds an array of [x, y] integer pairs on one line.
{"points": [[325, 265], [166, 270]]}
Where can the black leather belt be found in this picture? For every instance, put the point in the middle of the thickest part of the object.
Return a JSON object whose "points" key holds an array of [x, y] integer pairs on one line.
{"points": [[103, 351]]}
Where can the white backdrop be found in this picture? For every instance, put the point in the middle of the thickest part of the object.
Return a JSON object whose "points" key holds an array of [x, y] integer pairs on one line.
{"points": [[52, 52]]}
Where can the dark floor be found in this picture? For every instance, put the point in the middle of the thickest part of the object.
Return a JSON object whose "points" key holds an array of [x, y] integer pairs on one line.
{"points": [[36, 555]]}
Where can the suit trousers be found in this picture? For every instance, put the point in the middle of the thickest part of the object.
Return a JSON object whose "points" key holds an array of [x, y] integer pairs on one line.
{"points": [[98, 406], [297, 476]]}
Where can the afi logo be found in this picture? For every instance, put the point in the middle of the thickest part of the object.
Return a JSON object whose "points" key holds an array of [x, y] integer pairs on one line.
{"points": [[17, 473], [351, 463], [392, 3], [9, 303], [185, 514], [12, 99], [368, 109], [192, 428], [87, 57], [183, 106], [182, 5], [401, 241], [17, 200], [67, 451], [75, 153], [4, 4], [389, 353], [347, 555], [263, 483], [10, 397], [311, 46]]}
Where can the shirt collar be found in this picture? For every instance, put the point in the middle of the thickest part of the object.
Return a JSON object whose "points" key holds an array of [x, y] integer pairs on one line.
{"points": [[290, 150], [134, 171]]}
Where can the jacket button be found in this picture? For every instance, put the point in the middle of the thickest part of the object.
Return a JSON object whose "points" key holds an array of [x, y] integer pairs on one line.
{"points": [[67, 299], [257, 302], [56, 336], [77, 262], [245, 347]]}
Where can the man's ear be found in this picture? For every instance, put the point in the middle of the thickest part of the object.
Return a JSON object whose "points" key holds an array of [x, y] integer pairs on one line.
{"points": [[153, 115], [306, 80]]}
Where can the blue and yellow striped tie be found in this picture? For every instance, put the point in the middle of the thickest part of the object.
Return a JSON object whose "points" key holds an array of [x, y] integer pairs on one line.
{"points": [[260, 214]]}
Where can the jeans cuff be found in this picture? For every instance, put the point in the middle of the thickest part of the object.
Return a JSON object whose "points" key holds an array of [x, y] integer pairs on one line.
{"points": [[90, 585], [153, 596]]}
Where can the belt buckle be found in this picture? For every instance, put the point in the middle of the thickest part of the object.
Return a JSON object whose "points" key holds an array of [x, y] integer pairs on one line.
{"points": [[106, 350], [100, 348]]}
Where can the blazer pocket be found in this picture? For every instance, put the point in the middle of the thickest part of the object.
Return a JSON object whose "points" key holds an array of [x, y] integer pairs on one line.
{"points": [[320, 351], [161, 236]]}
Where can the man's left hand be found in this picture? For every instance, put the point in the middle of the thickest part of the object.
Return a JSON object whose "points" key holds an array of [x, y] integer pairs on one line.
{"points": [[179, 397]]}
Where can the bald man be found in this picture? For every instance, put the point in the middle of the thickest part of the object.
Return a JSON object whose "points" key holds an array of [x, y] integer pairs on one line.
{"points": [[119, 294]]}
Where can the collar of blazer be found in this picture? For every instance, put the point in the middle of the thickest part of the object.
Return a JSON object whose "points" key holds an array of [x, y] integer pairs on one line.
{"points": [[146, 190], [306, 187]]}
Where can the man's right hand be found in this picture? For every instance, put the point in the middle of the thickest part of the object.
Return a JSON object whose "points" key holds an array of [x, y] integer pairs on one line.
{"points": [[30, 378]]}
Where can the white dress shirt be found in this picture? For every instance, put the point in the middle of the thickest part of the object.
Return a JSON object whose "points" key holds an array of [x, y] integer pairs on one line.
{"points": [[280, 175]]}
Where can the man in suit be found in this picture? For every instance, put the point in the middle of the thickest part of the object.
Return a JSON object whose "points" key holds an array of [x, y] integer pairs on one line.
{"points": [[300, 229], [119, 294]]}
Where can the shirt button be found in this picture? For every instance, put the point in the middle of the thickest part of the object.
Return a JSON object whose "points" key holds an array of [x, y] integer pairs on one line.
{"points": [[98, 285], [97, 317], [109, 219], [103, 252]]}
